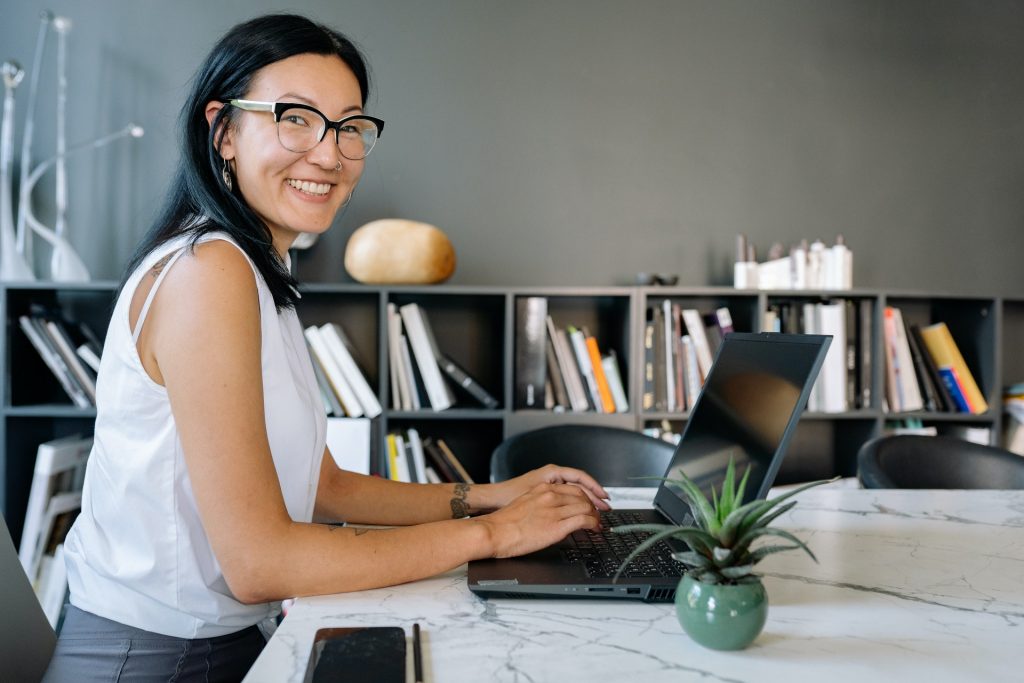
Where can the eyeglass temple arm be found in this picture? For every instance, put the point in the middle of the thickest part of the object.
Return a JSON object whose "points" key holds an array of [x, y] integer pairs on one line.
{"points": [[252, 105]]}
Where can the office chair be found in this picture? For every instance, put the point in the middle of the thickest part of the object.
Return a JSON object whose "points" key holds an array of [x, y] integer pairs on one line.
{"points": [[612, 456], [26, 639], [937, 462]]}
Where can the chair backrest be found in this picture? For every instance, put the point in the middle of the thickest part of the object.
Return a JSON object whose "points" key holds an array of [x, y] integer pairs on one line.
{"points": [[26, 638], [612, 456], [937, 462]]}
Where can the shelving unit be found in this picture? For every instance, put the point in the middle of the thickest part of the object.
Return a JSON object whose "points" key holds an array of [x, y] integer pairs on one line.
{"points": [[476, 326]]}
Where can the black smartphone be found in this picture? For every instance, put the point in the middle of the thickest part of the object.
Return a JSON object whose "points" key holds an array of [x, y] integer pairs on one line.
{"points": [[374, 653]]}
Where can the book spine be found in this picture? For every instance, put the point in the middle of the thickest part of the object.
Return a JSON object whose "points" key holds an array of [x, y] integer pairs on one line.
{"points": [[423, 352], [579, 346], [695, 328], [944, 352], [462, 378], [334, 373], [33, 329], [647, 397], [555, 375], [340, 348], [669, 354], [955, 387], [603, 390], [611, 371], [530, 366], [454, 462], [570, 373]]}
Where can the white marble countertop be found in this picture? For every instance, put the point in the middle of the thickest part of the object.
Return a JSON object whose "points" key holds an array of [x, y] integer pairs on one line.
{"points": [[911, 586]]}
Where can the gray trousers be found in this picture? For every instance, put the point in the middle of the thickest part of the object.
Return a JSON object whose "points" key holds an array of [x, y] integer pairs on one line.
{"points": [[91, 648]]}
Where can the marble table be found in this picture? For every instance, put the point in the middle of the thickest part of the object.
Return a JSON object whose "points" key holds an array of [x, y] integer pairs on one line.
{"points": [[911, 586]]}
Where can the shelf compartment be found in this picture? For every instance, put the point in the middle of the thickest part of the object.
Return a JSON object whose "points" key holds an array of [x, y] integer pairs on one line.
{"points": [[472, 441]]}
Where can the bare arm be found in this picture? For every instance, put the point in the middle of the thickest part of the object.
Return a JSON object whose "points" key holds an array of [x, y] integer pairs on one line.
{"points": [[357, 498], [203, 343]]}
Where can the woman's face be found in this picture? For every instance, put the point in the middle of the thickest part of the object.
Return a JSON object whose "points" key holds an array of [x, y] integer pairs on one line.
{"points": [[271, 178]]}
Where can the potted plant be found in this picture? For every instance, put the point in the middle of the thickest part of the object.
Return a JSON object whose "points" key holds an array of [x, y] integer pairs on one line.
{"points": [[720, 602]]}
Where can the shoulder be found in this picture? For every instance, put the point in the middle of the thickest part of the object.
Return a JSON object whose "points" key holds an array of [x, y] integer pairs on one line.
{"points": [[213, 268]]}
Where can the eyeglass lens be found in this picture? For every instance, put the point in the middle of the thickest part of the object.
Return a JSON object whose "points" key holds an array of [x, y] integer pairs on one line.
{"points": [[300, 130]]}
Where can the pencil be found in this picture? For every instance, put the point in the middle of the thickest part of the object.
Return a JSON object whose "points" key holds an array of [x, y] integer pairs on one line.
{"points": [[417, 655]]}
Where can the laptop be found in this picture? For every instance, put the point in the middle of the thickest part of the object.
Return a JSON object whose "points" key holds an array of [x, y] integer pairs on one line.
{"points": [[747, 410]]}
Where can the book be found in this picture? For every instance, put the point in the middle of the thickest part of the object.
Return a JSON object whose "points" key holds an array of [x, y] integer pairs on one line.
{"points": [[392, 470], [579, 347], [909, 387], [570, 371], [396, 370], [833, 377], [698, 333], [658, 344], [439, 462], [53, 589], [668, 332], [60, 512], [59, 467], [530, 358], [603, 390], [432, 476], [647, 396], [411, 380], [335, 376], [945, 353], [418, 462], [40, 339], [610, 363], [348, 440], [403, 472], [88, 354], [421, 342], [865, 353], [555, 377], [929, 392], [945, 400], [955, 387], [339, 345], [810, 323], [66, 348], [462, 379], [454, 462], [692, 370], [331, 403], [678, 359]]}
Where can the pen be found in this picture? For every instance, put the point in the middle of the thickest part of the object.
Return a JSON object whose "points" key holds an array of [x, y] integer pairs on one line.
{"points": [[417, 655]]}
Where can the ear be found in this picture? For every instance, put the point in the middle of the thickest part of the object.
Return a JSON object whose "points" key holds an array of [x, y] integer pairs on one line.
{"points": [[227, 149]]}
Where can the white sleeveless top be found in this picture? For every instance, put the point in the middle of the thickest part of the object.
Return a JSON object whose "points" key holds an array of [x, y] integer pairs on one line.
{"points": [[137, 554]]}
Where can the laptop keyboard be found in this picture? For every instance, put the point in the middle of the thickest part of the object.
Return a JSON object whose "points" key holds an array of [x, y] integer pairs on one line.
{"points": [[602, 552]]}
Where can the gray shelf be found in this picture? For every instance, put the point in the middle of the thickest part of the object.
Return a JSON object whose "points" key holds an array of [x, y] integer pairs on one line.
{"points": [[476, 325]]}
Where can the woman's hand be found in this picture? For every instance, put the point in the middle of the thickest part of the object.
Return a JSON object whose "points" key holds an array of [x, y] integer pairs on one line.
{"points": [[505, 492], [545, 514]]}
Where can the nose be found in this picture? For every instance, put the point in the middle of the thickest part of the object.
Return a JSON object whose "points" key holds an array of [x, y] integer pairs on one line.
{"points": [[326, 154]]}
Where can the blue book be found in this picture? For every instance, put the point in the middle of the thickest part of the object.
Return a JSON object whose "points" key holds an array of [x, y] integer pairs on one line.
{"points": [[952, 382]]}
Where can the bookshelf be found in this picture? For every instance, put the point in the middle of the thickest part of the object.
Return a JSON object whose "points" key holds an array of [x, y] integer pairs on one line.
{"points": [[476, 326]]}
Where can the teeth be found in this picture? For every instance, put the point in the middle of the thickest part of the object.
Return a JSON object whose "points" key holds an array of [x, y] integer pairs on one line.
{"points": [[319, 189]]}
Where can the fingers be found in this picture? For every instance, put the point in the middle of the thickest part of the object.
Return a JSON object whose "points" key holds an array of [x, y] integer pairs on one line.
{"points": [[572, 475]]}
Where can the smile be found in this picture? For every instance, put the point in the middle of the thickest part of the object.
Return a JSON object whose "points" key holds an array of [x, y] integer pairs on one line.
{"points": [[315, 189]]}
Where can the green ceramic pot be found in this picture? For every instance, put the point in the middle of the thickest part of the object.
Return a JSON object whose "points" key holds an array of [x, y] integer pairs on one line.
{"points": [[721, 617]]}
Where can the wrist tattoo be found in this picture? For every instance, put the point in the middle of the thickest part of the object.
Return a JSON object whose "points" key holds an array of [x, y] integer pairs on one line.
{"points": [[460, 508]]}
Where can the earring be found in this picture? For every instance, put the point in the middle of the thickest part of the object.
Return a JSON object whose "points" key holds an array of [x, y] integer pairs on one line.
{"points": [[225, 174], [349, 200]]}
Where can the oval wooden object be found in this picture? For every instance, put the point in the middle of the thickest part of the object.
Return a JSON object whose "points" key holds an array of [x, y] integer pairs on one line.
{"points": [[399, 252]]}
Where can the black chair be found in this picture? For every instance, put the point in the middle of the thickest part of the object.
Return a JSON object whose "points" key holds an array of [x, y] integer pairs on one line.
{"points": [[612, 456], [937, 462]]}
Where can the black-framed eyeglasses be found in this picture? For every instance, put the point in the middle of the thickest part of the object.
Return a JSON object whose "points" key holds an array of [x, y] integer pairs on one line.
{"points": [[301, 127]]}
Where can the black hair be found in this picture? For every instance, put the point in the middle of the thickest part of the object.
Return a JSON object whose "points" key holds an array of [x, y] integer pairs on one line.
{"points": [[198, 201]]}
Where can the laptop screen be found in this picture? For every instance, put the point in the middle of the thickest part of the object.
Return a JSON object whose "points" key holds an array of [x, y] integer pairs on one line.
{"points": [[747, 411]]}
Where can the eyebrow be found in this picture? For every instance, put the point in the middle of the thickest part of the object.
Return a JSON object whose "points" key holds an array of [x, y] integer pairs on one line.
{"points": [[305, 100]]}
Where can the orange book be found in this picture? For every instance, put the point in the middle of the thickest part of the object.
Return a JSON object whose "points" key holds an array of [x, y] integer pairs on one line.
{"points": [[607, 402], [945, 353]]}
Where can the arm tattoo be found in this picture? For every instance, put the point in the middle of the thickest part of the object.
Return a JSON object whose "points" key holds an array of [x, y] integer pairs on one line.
{"points": [[362, 530], [460, 508]]}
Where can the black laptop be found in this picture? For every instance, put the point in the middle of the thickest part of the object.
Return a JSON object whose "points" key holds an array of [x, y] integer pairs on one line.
{"points": [[747, 411]]}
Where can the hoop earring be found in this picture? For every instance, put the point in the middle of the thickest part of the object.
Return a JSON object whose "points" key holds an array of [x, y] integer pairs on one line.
{"points": [[349, 200], [225, 174]]}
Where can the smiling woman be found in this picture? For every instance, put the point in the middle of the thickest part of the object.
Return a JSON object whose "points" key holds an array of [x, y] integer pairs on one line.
{"points": [[209, 462]]}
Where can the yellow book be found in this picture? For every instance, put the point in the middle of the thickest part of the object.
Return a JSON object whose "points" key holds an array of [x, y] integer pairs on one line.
{"points": [[945, 353], [392, 458]]}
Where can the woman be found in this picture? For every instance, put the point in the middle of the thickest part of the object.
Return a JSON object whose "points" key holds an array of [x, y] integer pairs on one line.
{"points": [[209, 462]]}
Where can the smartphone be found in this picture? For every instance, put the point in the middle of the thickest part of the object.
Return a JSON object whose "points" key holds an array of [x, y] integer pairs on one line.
{"points": [[374, 653]]}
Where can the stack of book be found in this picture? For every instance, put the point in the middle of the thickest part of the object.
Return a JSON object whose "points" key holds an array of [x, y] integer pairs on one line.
{"points": [[55, 499], [924, 369], [844, 383], [679, 347], [563, 368], [343, 385], [411, 458], [70, 350], [420, 371]]}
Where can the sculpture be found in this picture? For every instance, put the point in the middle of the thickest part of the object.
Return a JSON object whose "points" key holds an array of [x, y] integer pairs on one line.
{"points": [[395, 251]]}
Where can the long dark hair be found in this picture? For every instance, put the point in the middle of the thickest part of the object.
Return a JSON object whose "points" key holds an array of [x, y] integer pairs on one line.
{"points": [[197, 191]]}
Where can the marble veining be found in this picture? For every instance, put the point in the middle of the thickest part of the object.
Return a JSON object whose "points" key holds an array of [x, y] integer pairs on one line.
{"points": [[910, 586]]}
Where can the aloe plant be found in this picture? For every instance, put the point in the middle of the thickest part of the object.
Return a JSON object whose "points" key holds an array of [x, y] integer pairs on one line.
{"points": [[720, 543]]}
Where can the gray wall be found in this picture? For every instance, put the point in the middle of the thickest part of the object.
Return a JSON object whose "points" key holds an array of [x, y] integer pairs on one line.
{"points": [[578, 142]]}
